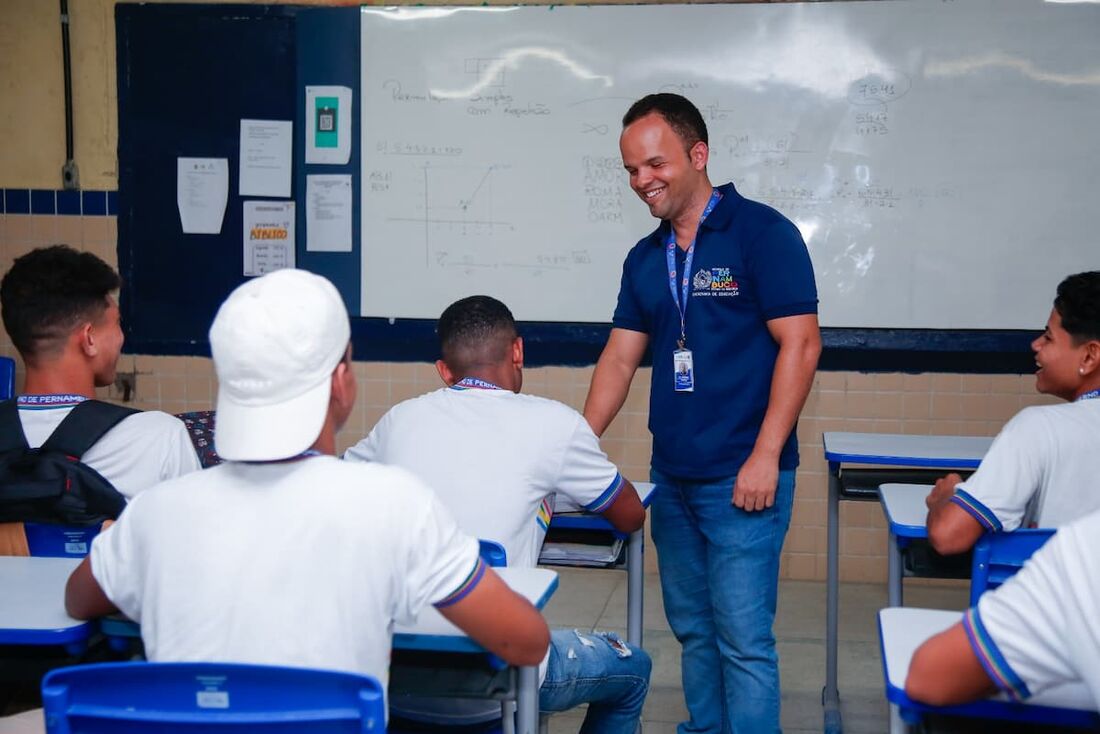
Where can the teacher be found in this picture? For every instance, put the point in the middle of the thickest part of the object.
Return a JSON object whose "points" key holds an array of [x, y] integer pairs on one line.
{"points": [[723, 291]]}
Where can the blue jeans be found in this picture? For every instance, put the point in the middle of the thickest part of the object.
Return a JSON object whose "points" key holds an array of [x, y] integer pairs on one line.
{"points": [[585, 668], [719, 578]]}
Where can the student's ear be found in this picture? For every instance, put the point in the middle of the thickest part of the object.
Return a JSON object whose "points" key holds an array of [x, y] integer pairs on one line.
{"points": [[517, 353], [343, 386], [85, 336], [1091, 361], [445, 373]]}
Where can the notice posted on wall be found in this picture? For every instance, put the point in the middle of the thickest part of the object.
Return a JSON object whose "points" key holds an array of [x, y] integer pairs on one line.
{"points": [[328, 213], [268, 236], [266, 147], [202, 189]]}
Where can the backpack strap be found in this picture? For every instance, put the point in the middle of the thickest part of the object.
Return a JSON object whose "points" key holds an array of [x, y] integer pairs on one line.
{"points": [[11, 428], [84, 425]]}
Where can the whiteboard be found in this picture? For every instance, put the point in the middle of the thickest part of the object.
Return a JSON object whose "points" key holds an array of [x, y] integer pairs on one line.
{"points": [[941, 159]]}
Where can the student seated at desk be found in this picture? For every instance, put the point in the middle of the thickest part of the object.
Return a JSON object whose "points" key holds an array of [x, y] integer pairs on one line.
{"points": [[496, 458], [61, 317], [284, 554], [1041, 469], [1036, 631]]}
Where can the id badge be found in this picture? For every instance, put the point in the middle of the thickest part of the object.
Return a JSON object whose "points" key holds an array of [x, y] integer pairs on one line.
{"points": [[683, 370]]}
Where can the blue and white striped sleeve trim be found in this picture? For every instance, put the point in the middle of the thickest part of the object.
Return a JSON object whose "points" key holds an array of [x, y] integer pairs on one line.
{"points": [[985, 516], [608, 496], [989, 655], [465, 587]]}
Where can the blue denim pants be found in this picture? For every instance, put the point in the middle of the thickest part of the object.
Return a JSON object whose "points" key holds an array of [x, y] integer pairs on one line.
{"points": [[719, 578], [586, 668]]}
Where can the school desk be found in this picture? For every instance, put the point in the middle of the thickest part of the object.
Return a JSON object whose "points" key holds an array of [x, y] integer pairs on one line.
{"points": [[635, 555], [901, 453]]}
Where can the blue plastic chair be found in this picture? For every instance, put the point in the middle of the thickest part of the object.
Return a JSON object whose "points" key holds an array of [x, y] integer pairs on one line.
{"points": [[59, 541], [7, 377], [998, 556], [176, 698]]}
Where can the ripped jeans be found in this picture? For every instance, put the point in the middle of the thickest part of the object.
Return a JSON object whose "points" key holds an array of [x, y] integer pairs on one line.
{"points": [[586, 668]]}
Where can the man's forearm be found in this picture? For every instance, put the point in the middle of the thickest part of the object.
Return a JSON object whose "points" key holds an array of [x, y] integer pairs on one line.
{"points": [[792, 378], [607, 393]]}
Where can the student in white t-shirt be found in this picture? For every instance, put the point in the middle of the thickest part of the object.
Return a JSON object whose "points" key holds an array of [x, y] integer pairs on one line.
{"points": [[1042, 469], [284, 554], [61, 317], [499, 461], [1036, 631]]}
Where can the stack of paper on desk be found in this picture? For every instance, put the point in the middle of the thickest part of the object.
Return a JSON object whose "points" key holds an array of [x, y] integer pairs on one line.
{"points": [[581, 554]]}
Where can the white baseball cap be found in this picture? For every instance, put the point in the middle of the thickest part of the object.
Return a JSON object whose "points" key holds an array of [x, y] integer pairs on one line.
{"points": [[276, 341]]}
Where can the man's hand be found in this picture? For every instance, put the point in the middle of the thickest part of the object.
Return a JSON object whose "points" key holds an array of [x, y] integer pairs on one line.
{"points": [[943, 491], [756, 483]]}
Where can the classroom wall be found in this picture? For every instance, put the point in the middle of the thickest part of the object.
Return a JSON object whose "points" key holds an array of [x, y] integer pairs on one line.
{"points": [[31, 155]]}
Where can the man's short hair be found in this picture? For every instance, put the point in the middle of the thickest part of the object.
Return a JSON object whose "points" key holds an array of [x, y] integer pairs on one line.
{"points": [[50, 291], [475, 332], [681, 115], [1078, 303]]}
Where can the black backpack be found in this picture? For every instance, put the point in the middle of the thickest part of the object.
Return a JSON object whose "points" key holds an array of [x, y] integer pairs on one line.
{"points": [[50, 484]]}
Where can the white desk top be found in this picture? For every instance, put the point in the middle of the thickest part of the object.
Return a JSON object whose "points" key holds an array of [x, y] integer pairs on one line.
{"points": [[903, 630], [536, 585], [893, 449], [34, 593], [904, 507]]}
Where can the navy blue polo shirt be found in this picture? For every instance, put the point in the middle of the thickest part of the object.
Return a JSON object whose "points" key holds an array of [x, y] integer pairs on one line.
{"points": [[750, 266]]}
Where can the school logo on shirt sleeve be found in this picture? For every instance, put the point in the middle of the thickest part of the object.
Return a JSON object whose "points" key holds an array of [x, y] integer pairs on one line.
{"points": [[714, 282]]}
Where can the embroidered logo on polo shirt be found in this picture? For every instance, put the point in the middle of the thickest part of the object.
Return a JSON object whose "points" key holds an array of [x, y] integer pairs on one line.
{"points": [[714, 282]]}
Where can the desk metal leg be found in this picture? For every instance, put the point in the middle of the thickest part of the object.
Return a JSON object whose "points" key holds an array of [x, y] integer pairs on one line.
{"points": [[831, 696], [635, 584], [893, 582], [527, 718]]}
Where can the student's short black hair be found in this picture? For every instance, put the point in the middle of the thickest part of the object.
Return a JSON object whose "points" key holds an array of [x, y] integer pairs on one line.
{"points": [[1078, 303], [49, 291], [474, 332], [681, 115]]}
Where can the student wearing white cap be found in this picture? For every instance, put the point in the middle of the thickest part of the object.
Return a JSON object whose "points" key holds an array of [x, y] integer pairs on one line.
{"points": [[284, 554]]}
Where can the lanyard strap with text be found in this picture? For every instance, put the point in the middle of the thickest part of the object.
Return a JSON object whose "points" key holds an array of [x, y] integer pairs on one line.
{"points": [[1088, 396], [670, 258]]}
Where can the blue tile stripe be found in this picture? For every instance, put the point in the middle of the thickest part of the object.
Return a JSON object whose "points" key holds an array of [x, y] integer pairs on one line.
{"points": [[51, 201]]}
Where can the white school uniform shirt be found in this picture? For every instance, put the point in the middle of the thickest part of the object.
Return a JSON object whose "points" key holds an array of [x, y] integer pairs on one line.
{"points": [[1040, 628], [496, 458], [141, 450], [1040, 471], [301, 563]]}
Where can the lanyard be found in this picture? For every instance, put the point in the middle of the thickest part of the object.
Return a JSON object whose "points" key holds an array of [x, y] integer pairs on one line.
{"points": [[670, 259], [1088, 396], [472, 383], [50, 400]]}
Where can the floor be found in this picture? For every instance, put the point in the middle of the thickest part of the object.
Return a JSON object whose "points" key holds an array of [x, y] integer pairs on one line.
{"points": [[596, 599]]}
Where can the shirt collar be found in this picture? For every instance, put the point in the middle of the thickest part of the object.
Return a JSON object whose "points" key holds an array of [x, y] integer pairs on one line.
{"points": [[718, 219]]}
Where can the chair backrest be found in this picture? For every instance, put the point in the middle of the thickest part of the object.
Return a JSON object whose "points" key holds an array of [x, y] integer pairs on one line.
{"points": [[7, 377], [191, 697], [59, 541], [493, 552], [998, 556]]}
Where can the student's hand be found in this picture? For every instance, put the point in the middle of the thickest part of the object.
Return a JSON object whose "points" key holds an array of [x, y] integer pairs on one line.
{"points": [[943, 491], [756, 483]]}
